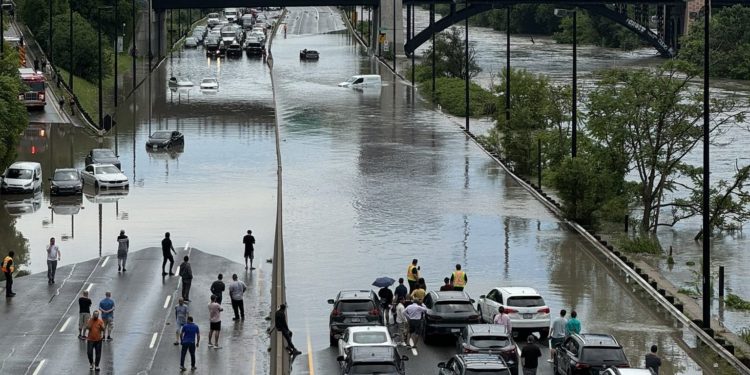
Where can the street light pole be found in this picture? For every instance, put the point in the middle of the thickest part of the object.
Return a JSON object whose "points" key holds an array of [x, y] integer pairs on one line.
{"points": [[507, 65], [393, 49], [574, 116], [2, 32], [99, 26], [133, 36], [70, 46], [117, 52], [706, 173], [466, 71], [49, 46]]}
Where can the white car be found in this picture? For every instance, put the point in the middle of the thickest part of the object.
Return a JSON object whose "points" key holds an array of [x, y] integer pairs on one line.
{"points": [[209, 84], [213, 19], [525, 308], [104, 176], [627, 371], [191, 42], [364, 336]]}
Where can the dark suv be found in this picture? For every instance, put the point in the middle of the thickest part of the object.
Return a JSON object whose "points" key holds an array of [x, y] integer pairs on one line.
{"points": [[489, 339], [589, 354], [373, 360], [353, 308], [473, 364], [448, 313]]}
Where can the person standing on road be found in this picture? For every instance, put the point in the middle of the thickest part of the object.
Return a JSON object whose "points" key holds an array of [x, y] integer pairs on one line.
{"points": [[419, 292], [186, 273], [84, 314], [123, 244], [181, 312], [279, 321], [8, 268], [249, 242], [107, 307], [412, 275], [190, 339], [530, 356], [557, 333], [214, 318], [94, 340], [653, 362], [217, 288], [447, 285], [53, 256], [401, 292], [459, 278], [415, 314], [166, 247], [573, 325], [402, 322], [386, 300], [236, 290], [503, 319]]}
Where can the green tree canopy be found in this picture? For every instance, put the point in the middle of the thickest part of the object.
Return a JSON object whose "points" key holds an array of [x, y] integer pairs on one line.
{"points": [[85, 47], [13, 118]]}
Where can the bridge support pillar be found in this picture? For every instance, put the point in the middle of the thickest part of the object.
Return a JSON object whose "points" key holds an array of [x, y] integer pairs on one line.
{"points": [[159, 34], [389, 24]]}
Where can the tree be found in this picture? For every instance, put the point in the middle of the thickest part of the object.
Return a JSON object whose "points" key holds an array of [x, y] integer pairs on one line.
{"points": [[729, 43], [13, 118], [597, 30], [449, 57], [85, 47], [652, 120]]}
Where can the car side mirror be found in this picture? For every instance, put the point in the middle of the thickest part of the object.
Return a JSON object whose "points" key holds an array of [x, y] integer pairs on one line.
{"points": [[472, 300], [483, 296], [340, 358], [441, 365], [404, 358], [330, 302]]}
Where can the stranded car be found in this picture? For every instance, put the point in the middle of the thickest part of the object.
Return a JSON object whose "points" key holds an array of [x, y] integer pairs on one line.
{"points": [[165, 139], [588, 353], [474, 364], [448, 313], [489, 339], [209, 84], [364, 336], [361, 81], [373, 360], [102, 156], [191, 42], [524, 306], [104, 176], [65, 181], [353, 308], [22, 177], [308, 54]]}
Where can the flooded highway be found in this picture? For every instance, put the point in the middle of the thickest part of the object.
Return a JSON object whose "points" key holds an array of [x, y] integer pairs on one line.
{"points": [[372, 179]]}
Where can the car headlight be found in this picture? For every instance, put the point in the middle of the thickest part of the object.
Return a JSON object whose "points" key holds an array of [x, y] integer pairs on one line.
{"points": [[27, 185]]}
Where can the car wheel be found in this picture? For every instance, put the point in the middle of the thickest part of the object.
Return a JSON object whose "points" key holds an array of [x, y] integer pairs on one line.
{"points": [[333, 341], [543, 334]]}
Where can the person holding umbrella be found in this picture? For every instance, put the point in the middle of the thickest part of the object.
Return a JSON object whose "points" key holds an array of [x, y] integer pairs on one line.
{"points": [[386, 296]]}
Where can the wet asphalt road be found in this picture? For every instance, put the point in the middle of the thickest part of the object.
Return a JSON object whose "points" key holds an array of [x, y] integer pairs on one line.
{"points": [[372, 179]]}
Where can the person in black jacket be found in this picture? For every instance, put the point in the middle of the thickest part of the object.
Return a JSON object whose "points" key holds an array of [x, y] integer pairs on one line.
{"points": [[186, 272], [218, 287], [166, 247], [281, 326]]}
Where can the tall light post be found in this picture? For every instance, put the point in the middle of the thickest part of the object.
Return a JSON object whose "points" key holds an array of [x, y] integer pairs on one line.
{"points": [[70, 46], [507, 65], [133, 46], [466, 67], [706, 172], [49, 46], [2, 31], [117, 52], [99, 27], [574, 89]]}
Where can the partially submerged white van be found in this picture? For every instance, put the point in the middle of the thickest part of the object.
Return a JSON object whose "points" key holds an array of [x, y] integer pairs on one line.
{"points": [[22, 177], [365, 80]]}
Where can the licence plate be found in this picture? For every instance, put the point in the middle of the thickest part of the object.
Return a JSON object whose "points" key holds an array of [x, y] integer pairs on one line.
{"points": [[528, 316], [356, 320], [455, 330]]}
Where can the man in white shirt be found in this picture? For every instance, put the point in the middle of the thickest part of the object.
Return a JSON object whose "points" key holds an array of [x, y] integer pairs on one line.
{"points": [[557, 333], [402, 322], [53, 256], [414, 313], [236, 290]]}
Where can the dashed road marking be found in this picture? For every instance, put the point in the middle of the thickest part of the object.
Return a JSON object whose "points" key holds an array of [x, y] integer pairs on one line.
{"points": [[177, 272], [187, 246], [39, 367], [91, 285], [310, 364], [153, 340], [65, 325], [104, 263], [166, 302]]}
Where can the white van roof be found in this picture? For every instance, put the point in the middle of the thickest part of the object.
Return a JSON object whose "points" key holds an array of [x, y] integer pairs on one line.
{"points": [[24, 165], [367, 76]]}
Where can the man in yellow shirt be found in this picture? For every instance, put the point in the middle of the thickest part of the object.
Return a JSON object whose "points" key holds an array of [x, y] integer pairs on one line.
{"points": [[412, 275], [8, 268]]}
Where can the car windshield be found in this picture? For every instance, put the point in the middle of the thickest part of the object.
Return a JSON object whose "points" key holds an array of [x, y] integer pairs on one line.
{"points": [[526, 301], [369, 338], [488, 342], [23, 174], [161, 135], [104, 154], [209, 80], [384, 369], [213, 15], [35, 86], [603, 355], [453, 307], [355, 306], [66, 176], [109, 169], [487, 372]]}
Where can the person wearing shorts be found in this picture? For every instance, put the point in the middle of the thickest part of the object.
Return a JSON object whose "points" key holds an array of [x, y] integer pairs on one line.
{"points": [[249, 242], [84, 314], [557, 333], [181, 312], [214, 318]]}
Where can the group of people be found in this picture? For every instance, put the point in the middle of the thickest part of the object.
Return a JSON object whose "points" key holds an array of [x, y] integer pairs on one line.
{"points": [[95, 327]]}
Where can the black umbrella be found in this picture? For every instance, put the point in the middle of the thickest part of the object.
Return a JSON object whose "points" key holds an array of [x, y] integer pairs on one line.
{"points": [[383, 282]]}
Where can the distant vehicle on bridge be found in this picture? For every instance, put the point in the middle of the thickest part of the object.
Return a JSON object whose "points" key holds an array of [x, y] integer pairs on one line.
{"points": [[32, 93]]}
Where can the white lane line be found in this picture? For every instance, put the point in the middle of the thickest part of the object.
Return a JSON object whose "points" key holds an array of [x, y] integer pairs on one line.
{"points": [[106, 259], [166, 302], [88, 289], [153, 340], [413, 349], [187, 246], [65, 325], [39, 367], [177, 272]]}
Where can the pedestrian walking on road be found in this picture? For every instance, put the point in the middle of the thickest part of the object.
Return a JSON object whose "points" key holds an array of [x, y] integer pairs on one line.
{"points": [[557, 333], [249, 242], [107, 307], [401, 292], [459, 278], [236, 291], [530, 356], [447, 285], [573, 325], [279, 321], [8, 268], [84, 314], [181, 312], [217, 288], [186, 273], [214, 318], [653, 362], [123, 245], [53, 256], [190, 339], [415, 313], [412, 275], [402, 322], [386, 300], [166, 252], [94, 340], [503, 319]]}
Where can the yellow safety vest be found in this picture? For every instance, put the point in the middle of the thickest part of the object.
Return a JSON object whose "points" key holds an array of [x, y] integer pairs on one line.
{"points": [[458, 278], [5, 268], [410, 273]]}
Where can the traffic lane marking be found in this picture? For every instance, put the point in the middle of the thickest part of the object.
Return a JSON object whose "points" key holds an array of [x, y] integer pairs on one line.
{"points": [[65, 325]]}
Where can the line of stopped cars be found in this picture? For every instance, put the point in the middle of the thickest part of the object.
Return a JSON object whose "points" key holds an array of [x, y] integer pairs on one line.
{"points": [[367, 346]]}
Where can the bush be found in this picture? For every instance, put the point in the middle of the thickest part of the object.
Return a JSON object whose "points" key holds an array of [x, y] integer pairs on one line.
{"points": [[450, 94], [736, 302], [640, 245], [85, 48]]}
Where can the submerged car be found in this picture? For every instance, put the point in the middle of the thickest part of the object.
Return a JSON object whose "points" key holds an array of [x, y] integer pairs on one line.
{"points": [[102, 156], [209, 84], [22, 177], [105, 176], [191, 42], [165, 139], [308, 54], [66, 181]]}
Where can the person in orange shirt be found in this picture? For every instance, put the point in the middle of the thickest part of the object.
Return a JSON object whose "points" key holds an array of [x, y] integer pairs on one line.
{"points": [[94, 339]]}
